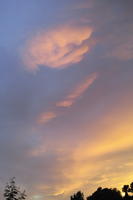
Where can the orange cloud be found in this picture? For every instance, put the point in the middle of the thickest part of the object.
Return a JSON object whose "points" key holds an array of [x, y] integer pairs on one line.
{"points": [[58, 47], [77, 92], [46, 117]]}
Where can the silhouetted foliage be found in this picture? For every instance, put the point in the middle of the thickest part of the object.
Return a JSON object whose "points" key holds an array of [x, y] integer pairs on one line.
{"points": [[128, 189], [125, 189], [105, 194], [12, 192], [78, 196], [131, 187]]}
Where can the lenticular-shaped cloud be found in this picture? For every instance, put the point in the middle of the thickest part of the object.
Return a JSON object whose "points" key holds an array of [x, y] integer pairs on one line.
{"points": [[57, 48], [78, 91], [46, 117]]}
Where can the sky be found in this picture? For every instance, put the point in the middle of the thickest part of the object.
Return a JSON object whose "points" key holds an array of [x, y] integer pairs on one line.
{"points": [[66, 95]]}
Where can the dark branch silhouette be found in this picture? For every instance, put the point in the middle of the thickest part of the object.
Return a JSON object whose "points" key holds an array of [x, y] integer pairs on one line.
{"points": [[78, 196], [107, 194], [12, 192]]}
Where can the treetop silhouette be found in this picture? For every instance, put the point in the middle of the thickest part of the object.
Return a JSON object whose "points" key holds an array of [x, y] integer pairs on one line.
{"points": [[12, 192], [107, 194]]}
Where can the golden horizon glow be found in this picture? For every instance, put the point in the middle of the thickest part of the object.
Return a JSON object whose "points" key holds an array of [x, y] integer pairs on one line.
{"points": [[78, 163]]}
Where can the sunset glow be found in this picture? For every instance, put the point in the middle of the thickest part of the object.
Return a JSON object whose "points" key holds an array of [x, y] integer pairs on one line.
{"points": [[66, 103]]}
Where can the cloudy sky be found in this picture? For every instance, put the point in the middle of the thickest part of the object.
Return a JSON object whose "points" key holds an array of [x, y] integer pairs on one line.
{"points": [[66, 95]]}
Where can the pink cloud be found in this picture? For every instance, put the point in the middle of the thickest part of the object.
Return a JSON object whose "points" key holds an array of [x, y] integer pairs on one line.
{"points": [[78, 91], [57, 48], [68, 101], [46, 117]]}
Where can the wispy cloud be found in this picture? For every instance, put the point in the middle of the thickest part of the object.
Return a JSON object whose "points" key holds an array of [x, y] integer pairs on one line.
{"points": [[78, 91], [69, 100], [57, 48], [123, 51], [46, 117]]}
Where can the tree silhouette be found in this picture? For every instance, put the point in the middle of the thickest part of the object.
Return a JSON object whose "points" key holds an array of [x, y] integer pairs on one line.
{"points": [[131, 188], [12, 192], [126, 189], [78, 196], [105, 194]]}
